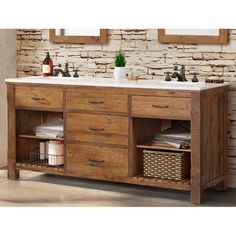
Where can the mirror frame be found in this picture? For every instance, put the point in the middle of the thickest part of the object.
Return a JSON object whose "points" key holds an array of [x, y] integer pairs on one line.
{"points": [[102, 39], [209, 39]]}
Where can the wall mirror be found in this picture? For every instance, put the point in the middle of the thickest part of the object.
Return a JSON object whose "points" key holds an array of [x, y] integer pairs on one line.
{"points": [[209, 36], [78, 35]]}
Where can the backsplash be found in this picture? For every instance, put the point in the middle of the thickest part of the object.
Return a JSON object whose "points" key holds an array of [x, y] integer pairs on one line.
{"points": [[149, 58]]}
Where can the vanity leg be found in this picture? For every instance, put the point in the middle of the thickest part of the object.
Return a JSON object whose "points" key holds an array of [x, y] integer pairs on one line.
{"points": [[13, 173], [197, 186], [197, 192], [222, 186]]}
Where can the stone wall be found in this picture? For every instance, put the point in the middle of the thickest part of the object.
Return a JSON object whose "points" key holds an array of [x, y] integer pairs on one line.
{"points": [[149, 58]]}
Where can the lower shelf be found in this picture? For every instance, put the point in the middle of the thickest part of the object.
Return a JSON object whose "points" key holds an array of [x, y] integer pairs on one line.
{"points": [[181, 185], [40, 168]]}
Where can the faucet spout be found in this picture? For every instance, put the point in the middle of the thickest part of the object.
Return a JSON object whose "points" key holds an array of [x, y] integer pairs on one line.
{"points": [[181, 75]]}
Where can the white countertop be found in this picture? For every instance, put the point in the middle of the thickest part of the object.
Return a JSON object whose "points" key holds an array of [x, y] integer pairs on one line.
{"points": [[111, 82]]}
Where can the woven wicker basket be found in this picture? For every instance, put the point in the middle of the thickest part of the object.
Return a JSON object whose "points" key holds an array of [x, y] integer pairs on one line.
{"points": [[166, 165]]}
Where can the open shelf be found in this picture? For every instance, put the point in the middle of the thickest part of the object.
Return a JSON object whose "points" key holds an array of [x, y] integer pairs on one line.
{"points": [[149, 145], [32, 136], [181, 184]]}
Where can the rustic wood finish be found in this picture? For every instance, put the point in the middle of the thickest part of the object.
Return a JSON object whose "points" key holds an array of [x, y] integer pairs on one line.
{"points": [[97, 128], [13, 173], [97, 102], [167, 107], [102, 39], [38, 99], [97, 161], [106, 130], [221, 38]]}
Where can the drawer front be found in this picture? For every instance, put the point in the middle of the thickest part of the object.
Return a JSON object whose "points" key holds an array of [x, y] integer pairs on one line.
{"points": [[97, 102], [161, 107], [39, 98], [97, 161], [97, 128]]}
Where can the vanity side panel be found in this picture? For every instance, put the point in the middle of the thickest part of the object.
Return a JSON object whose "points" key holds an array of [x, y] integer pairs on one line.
{"points": [[197, 174], [214, 120]]}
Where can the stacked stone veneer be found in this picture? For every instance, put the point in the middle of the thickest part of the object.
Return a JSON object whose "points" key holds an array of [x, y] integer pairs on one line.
{"points": [[149, 58]]}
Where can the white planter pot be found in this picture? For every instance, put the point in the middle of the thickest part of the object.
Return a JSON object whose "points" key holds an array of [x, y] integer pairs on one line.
{"points": [[119, 73]]}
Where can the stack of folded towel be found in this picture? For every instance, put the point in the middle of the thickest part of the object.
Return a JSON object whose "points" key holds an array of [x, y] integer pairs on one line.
{"points": [[178, 136], [52, 129]]}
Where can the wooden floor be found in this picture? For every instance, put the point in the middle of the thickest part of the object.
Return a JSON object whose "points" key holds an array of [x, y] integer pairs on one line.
{"points": [[36, 189]]}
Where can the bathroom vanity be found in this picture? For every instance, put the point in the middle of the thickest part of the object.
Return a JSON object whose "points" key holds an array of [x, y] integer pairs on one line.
{"points": [[108, 124]]}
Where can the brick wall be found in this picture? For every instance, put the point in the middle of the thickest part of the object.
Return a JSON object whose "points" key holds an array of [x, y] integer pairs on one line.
{"points": [[149, 58]]}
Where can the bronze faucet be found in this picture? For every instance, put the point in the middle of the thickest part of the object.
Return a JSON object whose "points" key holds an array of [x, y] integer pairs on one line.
{"points": [[181, 76], [64, 73]]}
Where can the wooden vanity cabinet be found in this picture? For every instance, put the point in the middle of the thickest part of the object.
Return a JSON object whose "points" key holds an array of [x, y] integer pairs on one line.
{"points": [[106, 130]]}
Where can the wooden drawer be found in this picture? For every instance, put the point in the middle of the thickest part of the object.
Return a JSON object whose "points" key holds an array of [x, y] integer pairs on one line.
{"points": [[39, 98], [97, 161], [97, 102], [166, 107], [97, 128]]}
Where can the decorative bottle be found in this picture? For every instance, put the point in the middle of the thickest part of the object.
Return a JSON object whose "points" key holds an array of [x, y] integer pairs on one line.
{"points": [[47, 68]]}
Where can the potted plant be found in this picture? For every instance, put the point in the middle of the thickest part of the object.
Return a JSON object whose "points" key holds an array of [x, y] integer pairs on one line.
{"points": [[119, 71]]}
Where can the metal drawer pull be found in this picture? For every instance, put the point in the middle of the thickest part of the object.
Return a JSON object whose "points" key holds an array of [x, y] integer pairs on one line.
{"points": [[38, 98], [96, 102], [160, 106], [96, 161], [96, 129]]}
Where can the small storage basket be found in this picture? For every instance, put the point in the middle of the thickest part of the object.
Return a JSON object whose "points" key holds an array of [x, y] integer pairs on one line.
{"points": [[166, 165]]}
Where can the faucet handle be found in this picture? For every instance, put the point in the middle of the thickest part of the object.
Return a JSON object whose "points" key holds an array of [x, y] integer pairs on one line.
{"points": [[168, 78], [194, 79], [76, 75]]}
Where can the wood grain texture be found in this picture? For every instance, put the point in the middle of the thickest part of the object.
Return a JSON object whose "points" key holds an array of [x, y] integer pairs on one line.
{"points": [[97, 161], [190, 39], [13, 173], [142, 131], [38, 99], [114, 135], [97, 102], [101, 39], [197, 158], [97, 128], [215, 139], [174, 108]]}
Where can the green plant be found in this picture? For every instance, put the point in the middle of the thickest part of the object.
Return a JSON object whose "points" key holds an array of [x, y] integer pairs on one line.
{"points": [[120, 59]]}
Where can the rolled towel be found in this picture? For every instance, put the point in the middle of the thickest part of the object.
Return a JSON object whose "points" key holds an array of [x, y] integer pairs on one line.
{"points": [[42, 150], [55, 153]]}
